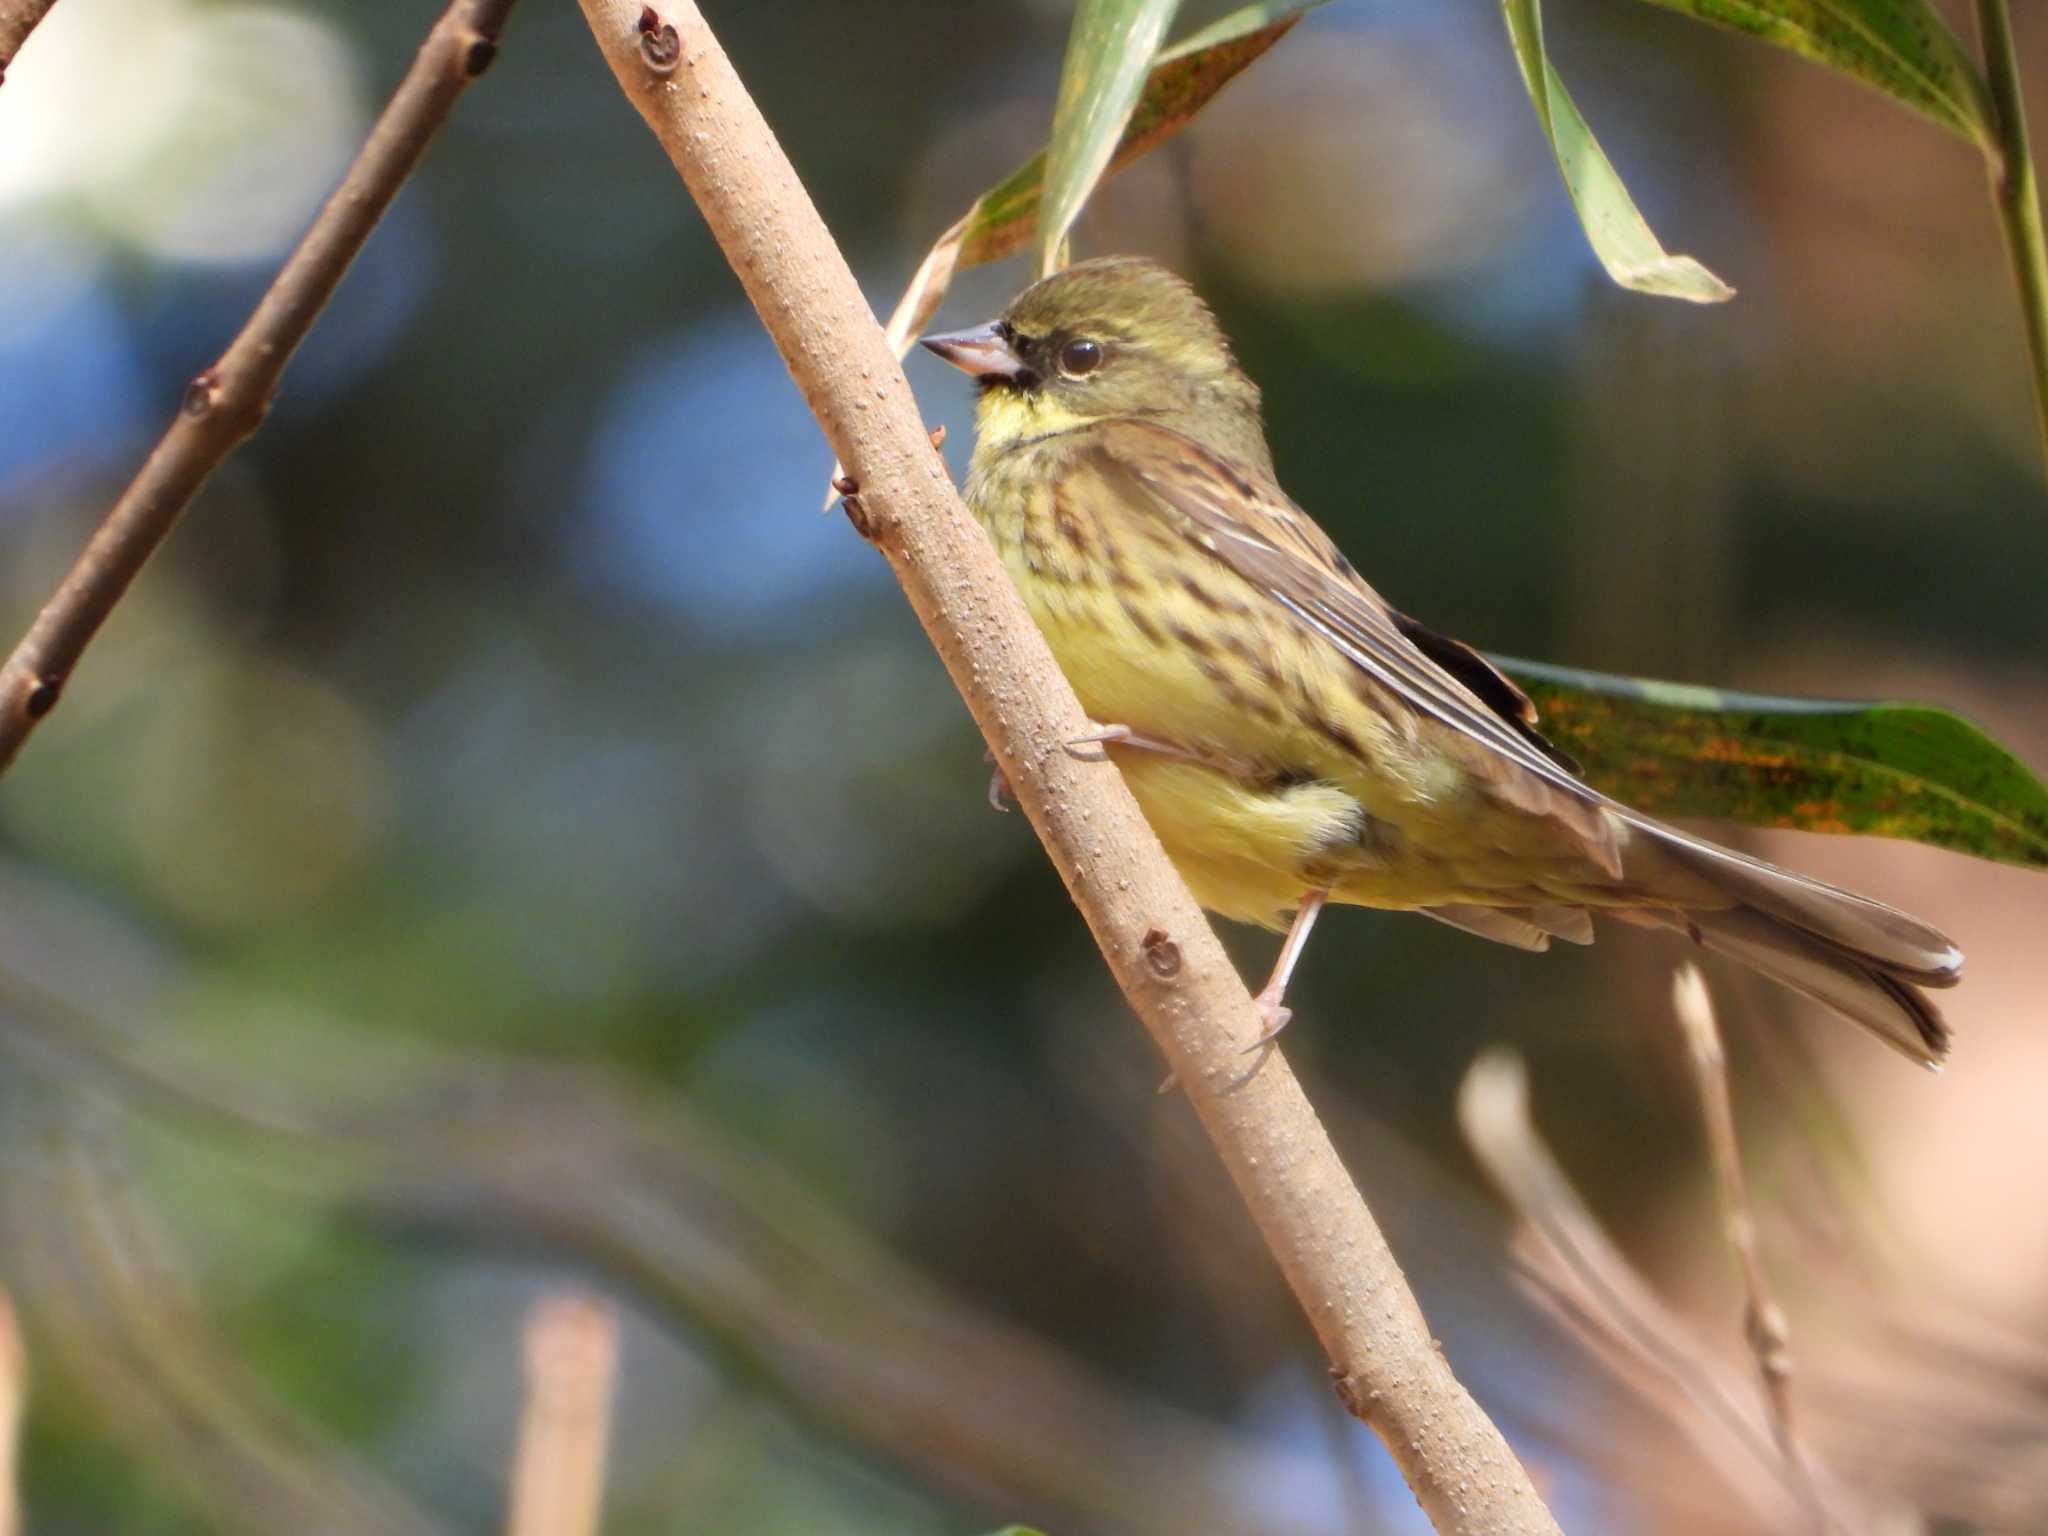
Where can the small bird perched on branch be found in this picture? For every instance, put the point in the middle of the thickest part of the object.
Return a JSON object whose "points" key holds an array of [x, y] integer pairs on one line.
{"points": [[1293, 739]]}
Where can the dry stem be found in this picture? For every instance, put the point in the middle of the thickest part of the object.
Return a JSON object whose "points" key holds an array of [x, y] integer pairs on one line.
{"points": [[1764, 1323], [572, 1357], [18, 18], [1156, 941], [1578, 1273], [226, 403], [2016, 195], [13, 1396]]}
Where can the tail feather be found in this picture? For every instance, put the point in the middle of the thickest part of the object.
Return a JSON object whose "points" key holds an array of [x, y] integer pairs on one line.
{"points": [[1882, 936], [1882, 1000], [1860, 957]]}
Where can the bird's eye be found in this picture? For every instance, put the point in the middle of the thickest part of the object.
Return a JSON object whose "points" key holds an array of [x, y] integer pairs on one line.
{"points": [[1080, 356]]}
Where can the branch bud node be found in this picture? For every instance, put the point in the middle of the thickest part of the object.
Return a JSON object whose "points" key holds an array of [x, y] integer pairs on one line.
{"points": [[857, 514], [41, 697], [202, 394], [661, 49], [1161, 953]]}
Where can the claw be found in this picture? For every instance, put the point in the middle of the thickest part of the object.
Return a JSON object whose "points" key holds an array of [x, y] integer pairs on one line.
{"points": [[1000, 795], [1122, 736], [1102, 738], [1274, 1017]]}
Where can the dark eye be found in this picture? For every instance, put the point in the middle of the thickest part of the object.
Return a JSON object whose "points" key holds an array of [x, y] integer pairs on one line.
{"points": [[1080, 356]]}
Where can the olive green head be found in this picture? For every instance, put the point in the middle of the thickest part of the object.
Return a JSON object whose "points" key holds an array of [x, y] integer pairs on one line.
{"points": [[1115, 337]]}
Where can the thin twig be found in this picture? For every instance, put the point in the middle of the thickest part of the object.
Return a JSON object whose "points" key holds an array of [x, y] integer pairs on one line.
{"points": [[1587, 1282], [1156, 941], [572, 1360], [13, 1399], [227, 402], [18, 18], [1764, 1323], [2017, 196]]}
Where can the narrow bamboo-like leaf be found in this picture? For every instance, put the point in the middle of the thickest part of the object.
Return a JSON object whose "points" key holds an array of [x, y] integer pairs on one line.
{"points": [[1184, 79], [1109, 54], [1901, 47], [1620, 237], [1880, 768]]}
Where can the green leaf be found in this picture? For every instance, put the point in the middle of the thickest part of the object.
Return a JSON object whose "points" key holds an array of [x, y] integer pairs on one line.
{"points": [[1901, 47], [1882, 769], [1619, 235], [1109, 54], [1184, 79]]}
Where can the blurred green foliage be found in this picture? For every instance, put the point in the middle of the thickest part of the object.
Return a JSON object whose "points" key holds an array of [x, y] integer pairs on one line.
{"points": [[508, 696]]}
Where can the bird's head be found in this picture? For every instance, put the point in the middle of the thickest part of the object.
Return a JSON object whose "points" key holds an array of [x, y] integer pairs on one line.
{"points": [[1115, 337]]}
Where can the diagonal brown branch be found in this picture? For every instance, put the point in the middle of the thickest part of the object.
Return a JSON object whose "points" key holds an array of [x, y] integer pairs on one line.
{"points": [[1156, 941], [226, 403], [18, 18]]}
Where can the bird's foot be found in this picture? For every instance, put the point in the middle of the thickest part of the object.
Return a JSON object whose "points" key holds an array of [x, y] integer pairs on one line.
{"points": [[1273, 1017], [1122, 736]]}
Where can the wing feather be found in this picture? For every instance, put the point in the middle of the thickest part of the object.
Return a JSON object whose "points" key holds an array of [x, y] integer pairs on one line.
{"points": [[1251, 526]]}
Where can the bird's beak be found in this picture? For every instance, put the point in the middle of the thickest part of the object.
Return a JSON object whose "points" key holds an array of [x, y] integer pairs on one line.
{"points": [[981, 351]]}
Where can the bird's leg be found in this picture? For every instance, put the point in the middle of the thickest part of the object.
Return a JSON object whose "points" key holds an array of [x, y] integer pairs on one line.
{"points": [[1271, 1012]]}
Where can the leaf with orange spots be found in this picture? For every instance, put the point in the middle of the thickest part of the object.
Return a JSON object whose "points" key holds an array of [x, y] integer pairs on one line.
{"points": [[1882, 769]]}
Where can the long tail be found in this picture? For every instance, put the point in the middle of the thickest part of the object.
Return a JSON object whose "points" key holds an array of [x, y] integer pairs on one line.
{"points": [[1865, 960]]}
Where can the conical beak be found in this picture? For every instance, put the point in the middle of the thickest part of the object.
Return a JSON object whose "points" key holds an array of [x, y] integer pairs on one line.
{"points": [[981, 351]]}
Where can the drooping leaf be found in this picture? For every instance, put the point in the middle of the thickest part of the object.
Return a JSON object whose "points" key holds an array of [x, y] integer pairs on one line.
{"points": [[1109, 54], [1184, 79], [1883, 769], [1619, 235], [1901, 47]]}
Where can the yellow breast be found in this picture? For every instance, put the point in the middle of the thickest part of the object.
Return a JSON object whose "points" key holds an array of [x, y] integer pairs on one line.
{"points": [[1301, 775]]}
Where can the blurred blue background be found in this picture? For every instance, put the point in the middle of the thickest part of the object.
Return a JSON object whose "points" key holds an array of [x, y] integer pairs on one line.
{"points": [[511, 842]]}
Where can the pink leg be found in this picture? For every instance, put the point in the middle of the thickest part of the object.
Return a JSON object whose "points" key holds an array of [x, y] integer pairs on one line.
{"points": [[1270, 1010]]}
